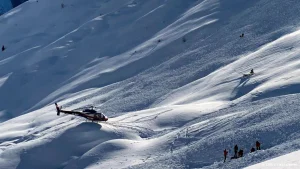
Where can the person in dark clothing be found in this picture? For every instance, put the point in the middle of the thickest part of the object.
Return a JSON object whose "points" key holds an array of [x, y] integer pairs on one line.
{"points": [[236, 148], [225, 155], [241, 153], [3, 48], [252, 71], [257, 145], [252, 150]]}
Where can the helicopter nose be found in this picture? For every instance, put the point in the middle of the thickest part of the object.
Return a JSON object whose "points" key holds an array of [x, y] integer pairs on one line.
{"points": [[106, 119]]}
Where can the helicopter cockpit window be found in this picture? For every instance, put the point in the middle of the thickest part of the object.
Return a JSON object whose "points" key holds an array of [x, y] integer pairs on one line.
{"points": [[90, 111]]}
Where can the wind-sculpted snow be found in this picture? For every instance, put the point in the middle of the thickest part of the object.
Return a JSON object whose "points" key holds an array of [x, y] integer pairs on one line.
{"points": [[168, 74]]}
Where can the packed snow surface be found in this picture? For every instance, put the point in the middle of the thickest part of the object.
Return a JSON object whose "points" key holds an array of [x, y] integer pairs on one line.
{"points": [[167, 73], [285, 161]]}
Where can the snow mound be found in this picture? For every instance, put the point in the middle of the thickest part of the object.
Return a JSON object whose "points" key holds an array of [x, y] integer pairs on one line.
{"points": [[283, 162]]}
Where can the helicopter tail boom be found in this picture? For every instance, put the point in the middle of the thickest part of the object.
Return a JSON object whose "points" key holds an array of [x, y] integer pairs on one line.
{"points": [[57, 109]]}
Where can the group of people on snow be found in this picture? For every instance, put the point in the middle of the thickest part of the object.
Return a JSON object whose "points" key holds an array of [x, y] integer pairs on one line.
{"points": [[240, 153]]}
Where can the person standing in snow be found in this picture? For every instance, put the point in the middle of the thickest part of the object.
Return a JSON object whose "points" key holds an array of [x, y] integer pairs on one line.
{"points": [[251, 72], [257, 145], [3, 48], [241, 153], [225, 155], [252, 150], [236, 148]]}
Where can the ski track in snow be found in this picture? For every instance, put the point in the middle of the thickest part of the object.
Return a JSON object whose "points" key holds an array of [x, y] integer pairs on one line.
{"points": [[168, 74]]}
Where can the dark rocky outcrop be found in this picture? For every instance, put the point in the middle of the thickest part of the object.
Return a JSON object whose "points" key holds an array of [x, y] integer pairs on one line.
{"points": [[17, 2], [5, 5]]}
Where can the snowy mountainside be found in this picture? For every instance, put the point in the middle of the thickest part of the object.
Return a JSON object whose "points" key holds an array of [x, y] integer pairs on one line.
{"points": [[167, 73]]}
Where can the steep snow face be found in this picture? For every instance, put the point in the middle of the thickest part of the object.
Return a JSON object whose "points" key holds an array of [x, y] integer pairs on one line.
{"points": [[127, 47], [169, 74], [5, 5]]}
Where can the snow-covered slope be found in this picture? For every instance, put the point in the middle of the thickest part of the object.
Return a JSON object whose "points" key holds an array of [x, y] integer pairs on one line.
{"points": [[169, 74], [283, 162]]}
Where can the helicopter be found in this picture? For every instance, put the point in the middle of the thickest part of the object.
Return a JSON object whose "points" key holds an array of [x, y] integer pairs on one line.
{"points": [[88, 113]]}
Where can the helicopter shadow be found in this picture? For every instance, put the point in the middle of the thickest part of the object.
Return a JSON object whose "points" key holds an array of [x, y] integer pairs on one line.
{"points": [[72, 142], [241, 89]]}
